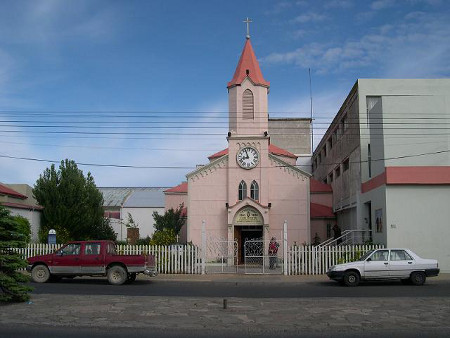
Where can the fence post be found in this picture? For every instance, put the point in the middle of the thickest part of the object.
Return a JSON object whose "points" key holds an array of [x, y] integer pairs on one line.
{"points": [[285, 248], [203, 246]]}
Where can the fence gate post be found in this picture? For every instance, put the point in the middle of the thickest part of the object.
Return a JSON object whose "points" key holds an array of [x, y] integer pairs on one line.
{"points": [[203, 246], [285, 248]]}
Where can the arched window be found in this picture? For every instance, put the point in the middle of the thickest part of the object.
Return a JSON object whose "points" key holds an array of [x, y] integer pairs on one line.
{"points": [[248, 106], [242, 190], [254, 191]]}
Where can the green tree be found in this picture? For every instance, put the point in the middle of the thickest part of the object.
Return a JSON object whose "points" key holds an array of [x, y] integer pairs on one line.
{"points": [[24, 227], [73, 205], [172, 219], [11, 281]]}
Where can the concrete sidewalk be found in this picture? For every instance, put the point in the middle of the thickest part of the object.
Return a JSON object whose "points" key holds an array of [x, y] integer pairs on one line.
{"points": [[242, 317]]}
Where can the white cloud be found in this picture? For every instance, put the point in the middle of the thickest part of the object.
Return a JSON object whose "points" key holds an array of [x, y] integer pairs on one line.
{"points": [[309, 17], [382, 4], [419, 39], [345, 4]]}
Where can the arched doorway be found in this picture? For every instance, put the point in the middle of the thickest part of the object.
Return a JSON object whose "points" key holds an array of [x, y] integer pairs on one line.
{"points": [[248, 225]]}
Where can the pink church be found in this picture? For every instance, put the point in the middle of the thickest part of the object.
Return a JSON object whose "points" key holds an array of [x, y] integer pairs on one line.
{"points": [[253, 187]]}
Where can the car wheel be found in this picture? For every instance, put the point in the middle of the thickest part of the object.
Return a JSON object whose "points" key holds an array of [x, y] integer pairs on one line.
{"points": [[351, 278], [117, 275], [40, 274], [418, 278]]}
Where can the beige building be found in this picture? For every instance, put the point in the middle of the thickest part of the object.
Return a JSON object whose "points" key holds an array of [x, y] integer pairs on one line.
{"points": [[386, 155], [19, 200]]}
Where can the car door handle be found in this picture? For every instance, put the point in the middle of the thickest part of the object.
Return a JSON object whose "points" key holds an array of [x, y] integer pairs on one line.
{"points": [[409, 262], [386, 263]]}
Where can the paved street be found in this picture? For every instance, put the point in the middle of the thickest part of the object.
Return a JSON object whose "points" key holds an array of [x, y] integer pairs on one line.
{"points": [[194, 316]]}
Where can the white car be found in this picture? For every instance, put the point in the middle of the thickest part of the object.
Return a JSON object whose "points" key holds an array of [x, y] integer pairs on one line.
{"points": [[401, 264]]}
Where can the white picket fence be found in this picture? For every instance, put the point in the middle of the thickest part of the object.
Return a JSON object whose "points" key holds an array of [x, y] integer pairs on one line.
{"points": [[187, 259], [315, 260]]}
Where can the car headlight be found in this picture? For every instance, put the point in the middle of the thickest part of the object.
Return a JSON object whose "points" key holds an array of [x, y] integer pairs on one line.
{"points": [[333, 268]]}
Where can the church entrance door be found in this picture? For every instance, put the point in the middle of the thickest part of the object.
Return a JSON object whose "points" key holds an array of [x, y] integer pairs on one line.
{"points": [[246, 233]]}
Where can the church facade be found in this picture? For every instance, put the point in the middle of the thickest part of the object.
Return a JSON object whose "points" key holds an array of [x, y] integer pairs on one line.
{"points": [[252, 188]]}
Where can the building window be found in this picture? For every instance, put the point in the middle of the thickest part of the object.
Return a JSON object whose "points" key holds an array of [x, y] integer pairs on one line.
{"points": [[325, 151], [344, 123], [248, 107], [330, 143], [242, 190], [330, 178], [320, 158], [336, 134], [345, 165], [254, 191], [337, 171], [328, 230]]}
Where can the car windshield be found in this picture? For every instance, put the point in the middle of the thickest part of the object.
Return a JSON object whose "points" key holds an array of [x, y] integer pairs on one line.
{"points": [[367, 254]]}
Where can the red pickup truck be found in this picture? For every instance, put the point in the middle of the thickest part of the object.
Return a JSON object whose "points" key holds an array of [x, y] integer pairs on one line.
{"points": [[90, 258]]}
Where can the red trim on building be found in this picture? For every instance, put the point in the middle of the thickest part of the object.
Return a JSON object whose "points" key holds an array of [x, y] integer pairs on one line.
{"points": [[112, 214], [22, 206], [321, 211], [317, 187], [248, 66], [4, 190], [374, 183], [279, 151], [218, 154], [181, 188], [418, 175], [424, 175], [272, 149]]}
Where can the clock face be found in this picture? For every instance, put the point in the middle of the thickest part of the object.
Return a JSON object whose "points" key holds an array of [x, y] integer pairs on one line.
{"points": [[247, 157]]}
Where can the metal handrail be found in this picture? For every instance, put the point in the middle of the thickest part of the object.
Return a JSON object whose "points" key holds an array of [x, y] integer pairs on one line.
{"points": [[344, 239]]}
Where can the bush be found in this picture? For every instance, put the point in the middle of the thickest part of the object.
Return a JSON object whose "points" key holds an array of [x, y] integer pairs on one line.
{"points": [[165, 236]]}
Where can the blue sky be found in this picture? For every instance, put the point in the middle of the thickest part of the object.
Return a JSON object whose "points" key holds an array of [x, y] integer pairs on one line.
{"points": [[111, 82]]}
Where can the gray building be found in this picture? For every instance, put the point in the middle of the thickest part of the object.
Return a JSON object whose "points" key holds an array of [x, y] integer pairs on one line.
{"points": [[386, 155], [140, 203]]}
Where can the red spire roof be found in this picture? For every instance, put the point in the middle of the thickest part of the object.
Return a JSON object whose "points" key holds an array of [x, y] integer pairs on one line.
{"points": [[248, 66]]}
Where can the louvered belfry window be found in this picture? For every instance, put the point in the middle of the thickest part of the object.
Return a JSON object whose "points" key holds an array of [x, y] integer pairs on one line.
{"points": [[248, 105]]}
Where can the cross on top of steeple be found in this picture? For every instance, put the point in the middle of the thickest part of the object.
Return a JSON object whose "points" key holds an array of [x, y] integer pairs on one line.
{"points": [[247, 21]]}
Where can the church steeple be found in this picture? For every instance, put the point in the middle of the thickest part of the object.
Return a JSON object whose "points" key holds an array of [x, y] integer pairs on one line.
{"points": [[248, 66]]}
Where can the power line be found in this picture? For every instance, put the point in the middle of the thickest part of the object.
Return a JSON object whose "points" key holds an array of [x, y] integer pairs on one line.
{"points": [[191, 167]]}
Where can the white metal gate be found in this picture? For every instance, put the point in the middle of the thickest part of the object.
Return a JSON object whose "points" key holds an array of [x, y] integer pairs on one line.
{"points": [[221, 256], [257, 259]]}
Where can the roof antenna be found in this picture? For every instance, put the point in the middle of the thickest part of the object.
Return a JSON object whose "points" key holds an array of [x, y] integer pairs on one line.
{"points": [[310, 96], [247, 21]]}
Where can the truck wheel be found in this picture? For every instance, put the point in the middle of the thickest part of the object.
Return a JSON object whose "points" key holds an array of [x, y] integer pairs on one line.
{"points": [[117, 275], [351, 278], [418, 278], [40, 274]]}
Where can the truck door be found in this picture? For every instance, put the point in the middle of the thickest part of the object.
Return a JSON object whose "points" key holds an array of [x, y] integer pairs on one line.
{"points": [[67, 260], [92, 259]]}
